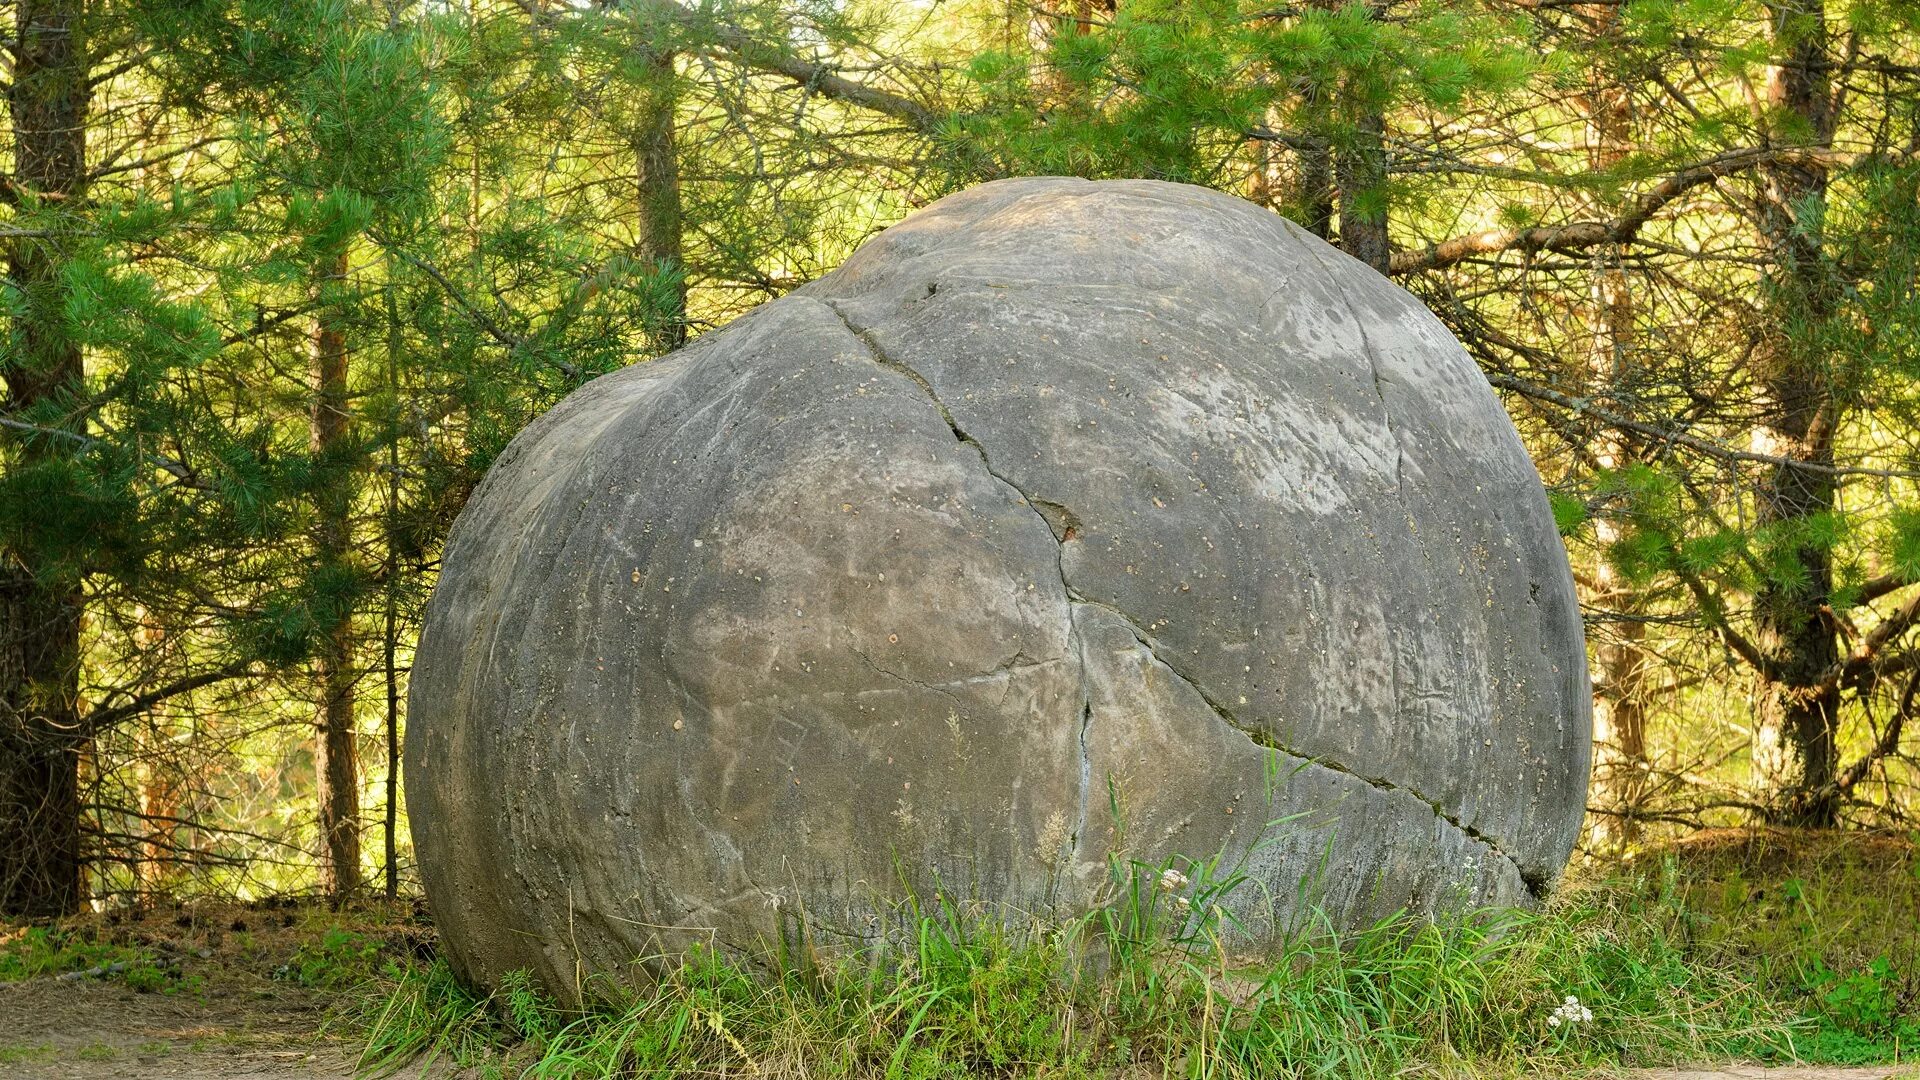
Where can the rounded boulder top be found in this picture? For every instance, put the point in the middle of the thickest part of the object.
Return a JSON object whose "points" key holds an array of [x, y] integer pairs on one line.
{"points": [[1067, 524]]}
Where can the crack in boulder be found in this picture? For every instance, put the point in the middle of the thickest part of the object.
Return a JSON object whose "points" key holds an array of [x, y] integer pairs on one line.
{"points": [[1536, 883], [1373, 370], [1062, 524]]}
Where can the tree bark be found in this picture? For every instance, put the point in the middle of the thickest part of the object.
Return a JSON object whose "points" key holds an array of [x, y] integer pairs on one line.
{"points": [[1796, 707], [1315, 195], [1361, 170], [42, 733], [1360, 175], [390, 573], [657, 175], [1619, 656], [337, 759]]}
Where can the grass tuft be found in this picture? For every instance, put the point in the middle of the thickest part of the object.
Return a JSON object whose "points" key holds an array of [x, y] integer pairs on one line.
{"points": [[1662, 965]]}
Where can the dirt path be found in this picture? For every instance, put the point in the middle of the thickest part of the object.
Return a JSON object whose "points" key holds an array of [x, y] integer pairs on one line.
{"points": [[231, 1031], [225, 1009]]}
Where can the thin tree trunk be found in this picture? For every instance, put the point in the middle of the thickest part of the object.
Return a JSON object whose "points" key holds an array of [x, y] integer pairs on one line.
{"points": [[42, 733], [1795, 751], [390, 827], [1315, 196], [657, 175], [1360, 174], [338, 760], [1620, 657], [160, 804], [1362, 177], [390, 637], [1264, 185]]}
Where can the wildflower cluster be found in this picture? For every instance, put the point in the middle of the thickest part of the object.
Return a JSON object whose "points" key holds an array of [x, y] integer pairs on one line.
{"points": [[1172, 880], [1570, 1012]]}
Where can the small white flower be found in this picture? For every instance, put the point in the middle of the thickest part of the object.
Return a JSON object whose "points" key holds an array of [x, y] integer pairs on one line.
{"points": [[1569, 1012], [1171, 879], [1182, 904]]}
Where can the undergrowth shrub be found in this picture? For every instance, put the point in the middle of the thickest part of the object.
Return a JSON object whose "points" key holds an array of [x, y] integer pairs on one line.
{"points": [[338, 959]]}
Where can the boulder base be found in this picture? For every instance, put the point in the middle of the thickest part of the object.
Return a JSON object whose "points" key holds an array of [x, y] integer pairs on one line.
{"points": [[1065, 521]]}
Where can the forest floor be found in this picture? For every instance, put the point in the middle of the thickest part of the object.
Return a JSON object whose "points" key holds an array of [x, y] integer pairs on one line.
{"points": [[247, 992], [222, 992], [231, 1018], [240, 1013]]}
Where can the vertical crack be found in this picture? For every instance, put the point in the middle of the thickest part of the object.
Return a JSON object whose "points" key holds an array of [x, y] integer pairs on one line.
{"points": [[1379, 383], [1062, 525], [1079, 646]]}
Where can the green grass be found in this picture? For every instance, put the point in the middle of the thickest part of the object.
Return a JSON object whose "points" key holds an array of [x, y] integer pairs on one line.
{"points": [[15, 1053], [338, 959], [33, 952], [1675, 960], [1827, 924]]}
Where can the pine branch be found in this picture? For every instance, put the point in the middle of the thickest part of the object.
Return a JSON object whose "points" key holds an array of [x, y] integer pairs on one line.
{"points": [[100, 719], [480, 317], [741, 47], [1681, 438], [1868, 651], [176, 469], [1579, 235], [1875, 588], [1716, 617], [1887, 745]]}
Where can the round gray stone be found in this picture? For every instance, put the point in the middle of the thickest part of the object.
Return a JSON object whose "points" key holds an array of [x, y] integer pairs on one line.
{"points": [[1066, 521]]}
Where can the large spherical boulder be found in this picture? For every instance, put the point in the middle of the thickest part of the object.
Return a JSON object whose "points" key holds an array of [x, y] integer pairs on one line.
{"points": [[1066, 520]]}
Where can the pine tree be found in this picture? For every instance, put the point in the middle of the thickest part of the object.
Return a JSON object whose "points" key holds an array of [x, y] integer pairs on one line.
{"points": [[41, 597]]}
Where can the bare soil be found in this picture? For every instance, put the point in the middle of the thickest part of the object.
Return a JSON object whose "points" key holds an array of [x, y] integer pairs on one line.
{"points": [[228, 1011], [98, 1029]]}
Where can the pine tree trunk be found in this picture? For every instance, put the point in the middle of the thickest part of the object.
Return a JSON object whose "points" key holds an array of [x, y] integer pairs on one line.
{"points": [[390, 637], [657, 173], [1796, 712], [40, 746], [1362, 177], [1619, 655], [338, 758], [42, 733], [1315, 196], [1360, 174]]}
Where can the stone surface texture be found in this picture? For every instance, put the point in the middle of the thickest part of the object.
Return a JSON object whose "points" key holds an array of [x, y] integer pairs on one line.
{"points": [[1066, 520]]}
